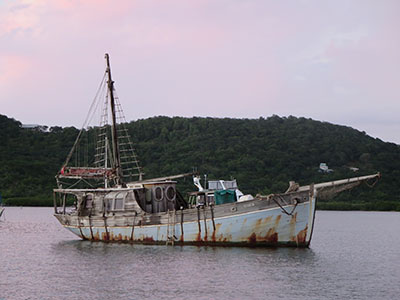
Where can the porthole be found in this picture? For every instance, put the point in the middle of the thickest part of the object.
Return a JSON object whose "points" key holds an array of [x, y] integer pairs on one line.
{"points": [[158, 193], [170, 193]]}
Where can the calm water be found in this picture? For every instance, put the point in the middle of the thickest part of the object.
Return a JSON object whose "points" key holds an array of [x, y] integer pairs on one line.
{"points": [[353, 255]]}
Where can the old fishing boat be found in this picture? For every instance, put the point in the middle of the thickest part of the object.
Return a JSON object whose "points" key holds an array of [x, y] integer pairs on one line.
{"points": [[113, 202]]}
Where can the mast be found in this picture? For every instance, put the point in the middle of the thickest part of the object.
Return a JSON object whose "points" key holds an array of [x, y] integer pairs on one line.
{"points": [[117, 160], [105, 160]]}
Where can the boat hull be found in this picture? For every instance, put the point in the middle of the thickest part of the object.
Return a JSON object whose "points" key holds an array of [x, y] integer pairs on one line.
{"points": [[289, 225]]}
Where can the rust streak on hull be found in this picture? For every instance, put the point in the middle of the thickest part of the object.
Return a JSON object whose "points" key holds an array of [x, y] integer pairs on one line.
{"points": [[301, 236]]}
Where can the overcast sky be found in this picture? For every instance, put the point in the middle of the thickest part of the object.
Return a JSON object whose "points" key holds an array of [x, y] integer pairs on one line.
{"points": [[335, 61]]}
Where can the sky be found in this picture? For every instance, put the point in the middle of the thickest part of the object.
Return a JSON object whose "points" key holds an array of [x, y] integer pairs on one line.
{"points": [[336, 61]]}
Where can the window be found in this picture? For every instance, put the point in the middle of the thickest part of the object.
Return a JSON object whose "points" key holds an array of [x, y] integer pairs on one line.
{"points": [[109, 204], [89, 201], [214, 185], [118, 203], [115, 201], [230, 184]]}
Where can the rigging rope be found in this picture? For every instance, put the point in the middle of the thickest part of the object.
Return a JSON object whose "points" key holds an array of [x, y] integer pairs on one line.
{"points": [[86, 121], [372, 184], [282, 208]]}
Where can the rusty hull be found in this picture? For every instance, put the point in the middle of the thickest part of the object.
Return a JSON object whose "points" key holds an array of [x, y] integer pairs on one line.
{"points": [[258, 222]]}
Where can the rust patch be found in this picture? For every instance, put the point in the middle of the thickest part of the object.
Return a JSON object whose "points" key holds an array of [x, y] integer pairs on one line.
{"points": [[104, 236], [267, 220], [271, 236], [261, 224], [227, 238], [96, 236], [198, 239], [148, 240], [182, 238], [253, 238], [302, 235], [217, 227], [258, 226], [293, 218], [277, 220]]}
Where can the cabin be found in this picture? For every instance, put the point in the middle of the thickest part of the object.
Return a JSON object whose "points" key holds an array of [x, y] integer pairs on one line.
{"points": [[149, 197], [218, 192]]}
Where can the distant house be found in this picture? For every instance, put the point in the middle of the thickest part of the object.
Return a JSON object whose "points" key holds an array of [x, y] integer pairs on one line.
{"points": [[35, 127], [323, 168], [354, 169]]}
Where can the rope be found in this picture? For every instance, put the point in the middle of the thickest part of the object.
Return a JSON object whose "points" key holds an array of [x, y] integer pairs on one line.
{"points": [[87, 182], [283, 209], [205, 220], [86, 121], [182, 224], [90, 224], [212, 216], [198, 218], [133, 225], [373, 184], [71, 186]]}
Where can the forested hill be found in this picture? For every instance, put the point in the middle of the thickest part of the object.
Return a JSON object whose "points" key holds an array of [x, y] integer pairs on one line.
{"points": [[262, 154]]}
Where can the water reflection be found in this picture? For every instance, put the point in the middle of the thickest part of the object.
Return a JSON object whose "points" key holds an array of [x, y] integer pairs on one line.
{"points": [[41, 258]]}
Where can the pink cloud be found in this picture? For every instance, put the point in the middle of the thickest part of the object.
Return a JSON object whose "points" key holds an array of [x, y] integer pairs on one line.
{"points": [[13, 69], [203, 57], [16, 17]]}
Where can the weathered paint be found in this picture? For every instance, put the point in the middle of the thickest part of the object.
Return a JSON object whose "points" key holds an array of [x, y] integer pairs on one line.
{"points": [[276, 219], [268, 227]]}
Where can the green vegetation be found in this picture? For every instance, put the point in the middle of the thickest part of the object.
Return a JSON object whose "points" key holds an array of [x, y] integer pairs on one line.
{"points": [[262, 154]]}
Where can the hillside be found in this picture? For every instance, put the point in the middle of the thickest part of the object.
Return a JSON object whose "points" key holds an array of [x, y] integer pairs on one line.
{"points": [[262, 154]]}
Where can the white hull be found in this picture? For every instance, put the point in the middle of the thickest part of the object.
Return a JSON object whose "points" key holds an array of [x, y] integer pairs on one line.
{"points": [[267, 227]]}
